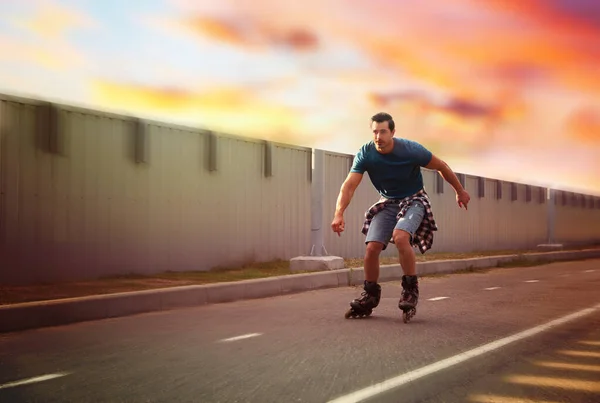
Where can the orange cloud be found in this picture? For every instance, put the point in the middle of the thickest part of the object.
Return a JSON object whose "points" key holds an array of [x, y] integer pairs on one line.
{"points": [[299, 39], [58, 57], [49, 23], [584, 125], [389, 52], [461, 111], [560, 36], [51, 20], [217, 29], [232, 110], [239, 31], [578, 18], [460, 53]]}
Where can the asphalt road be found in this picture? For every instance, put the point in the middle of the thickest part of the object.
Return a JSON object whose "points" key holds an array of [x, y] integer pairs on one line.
{"points": [[299, 348]]}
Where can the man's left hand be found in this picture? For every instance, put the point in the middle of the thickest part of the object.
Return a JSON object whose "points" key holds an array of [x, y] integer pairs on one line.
{"points": [[463, 198]]}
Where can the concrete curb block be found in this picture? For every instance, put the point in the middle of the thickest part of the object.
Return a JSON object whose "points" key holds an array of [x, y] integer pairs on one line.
{"points": [[32, 315]]}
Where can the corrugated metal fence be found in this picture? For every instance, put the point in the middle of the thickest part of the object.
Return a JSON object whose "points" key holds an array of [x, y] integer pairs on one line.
{"points": [[87, 194]]}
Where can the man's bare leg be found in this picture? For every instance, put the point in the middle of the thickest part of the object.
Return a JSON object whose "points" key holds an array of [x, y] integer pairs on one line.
{"points": [[371, 261], [406, 254]]}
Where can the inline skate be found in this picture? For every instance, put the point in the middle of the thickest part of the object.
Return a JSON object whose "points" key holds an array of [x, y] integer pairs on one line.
{"points": [[363, 306], [410, 297]]}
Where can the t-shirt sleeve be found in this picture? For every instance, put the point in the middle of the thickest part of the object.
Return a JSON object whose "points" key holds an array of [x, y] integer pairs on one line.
{"points": [[359, 164], [421, 154]]}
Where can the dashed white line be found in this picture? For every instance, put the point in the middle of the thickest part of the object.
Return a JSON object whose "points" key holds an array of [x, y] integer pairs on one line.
{"points": [[242, 337], [33, 380], [589, 271], [437, 298], [532, 281], [402, 379], [491, 288]]}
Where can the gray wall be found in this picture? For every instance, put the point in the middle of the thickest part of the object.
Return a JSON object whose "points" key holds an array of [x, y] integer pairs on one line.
{"points": [[87, 194]]}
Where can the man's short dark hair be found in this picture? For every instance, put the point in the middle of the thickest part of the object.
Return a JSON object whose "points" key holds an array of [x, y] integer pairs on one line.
{"points": [[384, 117]]}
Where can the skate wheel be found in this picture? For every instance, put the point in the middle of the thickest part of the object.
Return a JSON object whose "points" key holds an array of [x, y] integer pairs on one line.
{"points": [[407, 315], [351, 314]]}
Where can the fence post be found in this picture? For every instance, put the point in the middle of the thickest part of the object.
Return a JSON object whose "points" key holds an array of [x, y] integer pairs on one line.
{"points": [[317, 192], [319, 258], [551, 211]]}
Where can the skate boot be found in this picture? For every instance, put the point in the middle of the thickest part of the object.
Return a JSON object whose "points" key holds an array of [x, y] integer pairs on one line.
{"points": [[410, 297], [369, 300]]}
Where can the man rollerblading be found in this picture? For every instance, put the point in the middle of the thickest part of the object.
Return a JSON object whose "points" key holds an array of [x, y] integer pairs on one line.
{"points": [[403, 214]]}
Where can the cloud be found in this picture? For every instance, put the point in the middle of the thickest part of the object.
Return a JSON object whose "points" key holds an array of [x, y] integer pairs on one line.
{"points": [[238, 31], [584, 125], [52, 20], [217, 29], [473, 123], [516, 74], [578, 11], [60, 56], [233, 110], [562, 37], [299, 39], [462, 44], [460, 49], [44, 42], [579, 17], [507, 107]]}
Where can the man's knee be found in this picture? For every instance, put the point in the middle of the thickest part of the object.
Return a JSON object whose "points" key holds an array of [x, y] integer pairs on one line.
{"points": [[374, 249], [401, 239]]}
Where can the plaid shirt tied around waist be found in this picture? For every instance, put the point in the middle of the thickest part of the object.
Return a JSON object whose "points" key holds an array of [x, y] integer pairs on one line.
{"points": [[423, 237]]}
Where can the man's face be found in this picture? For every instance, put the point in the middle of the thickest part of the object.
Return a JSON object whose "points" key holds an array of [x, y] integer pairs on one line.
{"points": [[382, 136]]}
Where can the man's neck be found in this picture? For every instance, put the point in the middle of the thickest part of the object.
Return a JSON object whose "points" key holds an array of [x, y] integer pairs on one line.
{"points": [[393, 143]]}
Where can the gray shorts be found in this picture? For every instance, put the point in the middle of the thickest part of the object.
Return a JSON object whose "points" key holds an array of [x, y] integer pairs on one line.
{"points": [[384, 223]]}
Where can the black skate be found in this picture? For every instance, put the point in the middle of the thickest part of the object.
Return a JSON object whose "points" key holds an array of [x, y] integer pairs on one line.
{"points": [[364, 305], [410, 297]]}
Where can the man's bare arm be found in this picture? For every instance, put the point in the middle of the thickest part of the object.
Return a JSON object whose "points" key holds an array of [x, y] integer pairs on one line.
{"points": [[462, 196], [347, 191], [446, 172]]}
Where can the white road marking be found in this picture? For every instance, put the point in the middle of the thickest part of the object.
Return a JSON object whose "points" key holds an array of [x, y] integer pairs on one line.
{"points": [[437, 298], [33, 380], [242, 337], [491, 288], [532, 281], [589, 271], [407, 377]]}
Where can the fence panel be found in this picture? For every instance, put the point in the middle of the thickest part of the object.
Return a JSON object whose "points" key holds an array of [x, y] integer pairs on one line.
{"points": [[85, 194]]}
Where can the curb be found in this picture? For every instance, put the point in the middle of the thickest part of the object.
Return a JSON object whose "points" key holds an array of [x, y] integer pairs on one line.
{"points": [[31, 315]]}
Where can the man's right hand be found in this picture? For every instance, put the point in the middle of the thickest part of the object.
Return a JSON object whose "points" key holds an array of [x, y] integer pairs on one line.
{"points": [[338, 224]]}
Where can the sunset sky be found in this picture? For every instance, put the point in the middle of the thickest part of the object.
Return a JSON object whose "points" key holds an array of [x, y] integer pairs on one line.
{"points": [[498, 88]]}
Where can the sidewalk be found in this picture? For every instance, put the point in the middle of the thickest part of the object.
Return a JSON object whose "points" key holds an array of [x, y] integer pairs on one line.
{"points": [[36, 314]]}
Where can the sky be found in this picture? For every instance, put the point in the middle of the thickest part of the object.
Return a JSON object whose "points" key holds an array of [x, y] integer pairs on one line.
{"points": [[502, 89]]}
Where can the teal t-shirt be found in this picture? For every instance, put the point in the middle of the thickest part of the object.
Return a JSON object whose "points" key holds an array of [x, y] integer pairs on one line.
{"points": [[395, 175]]}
